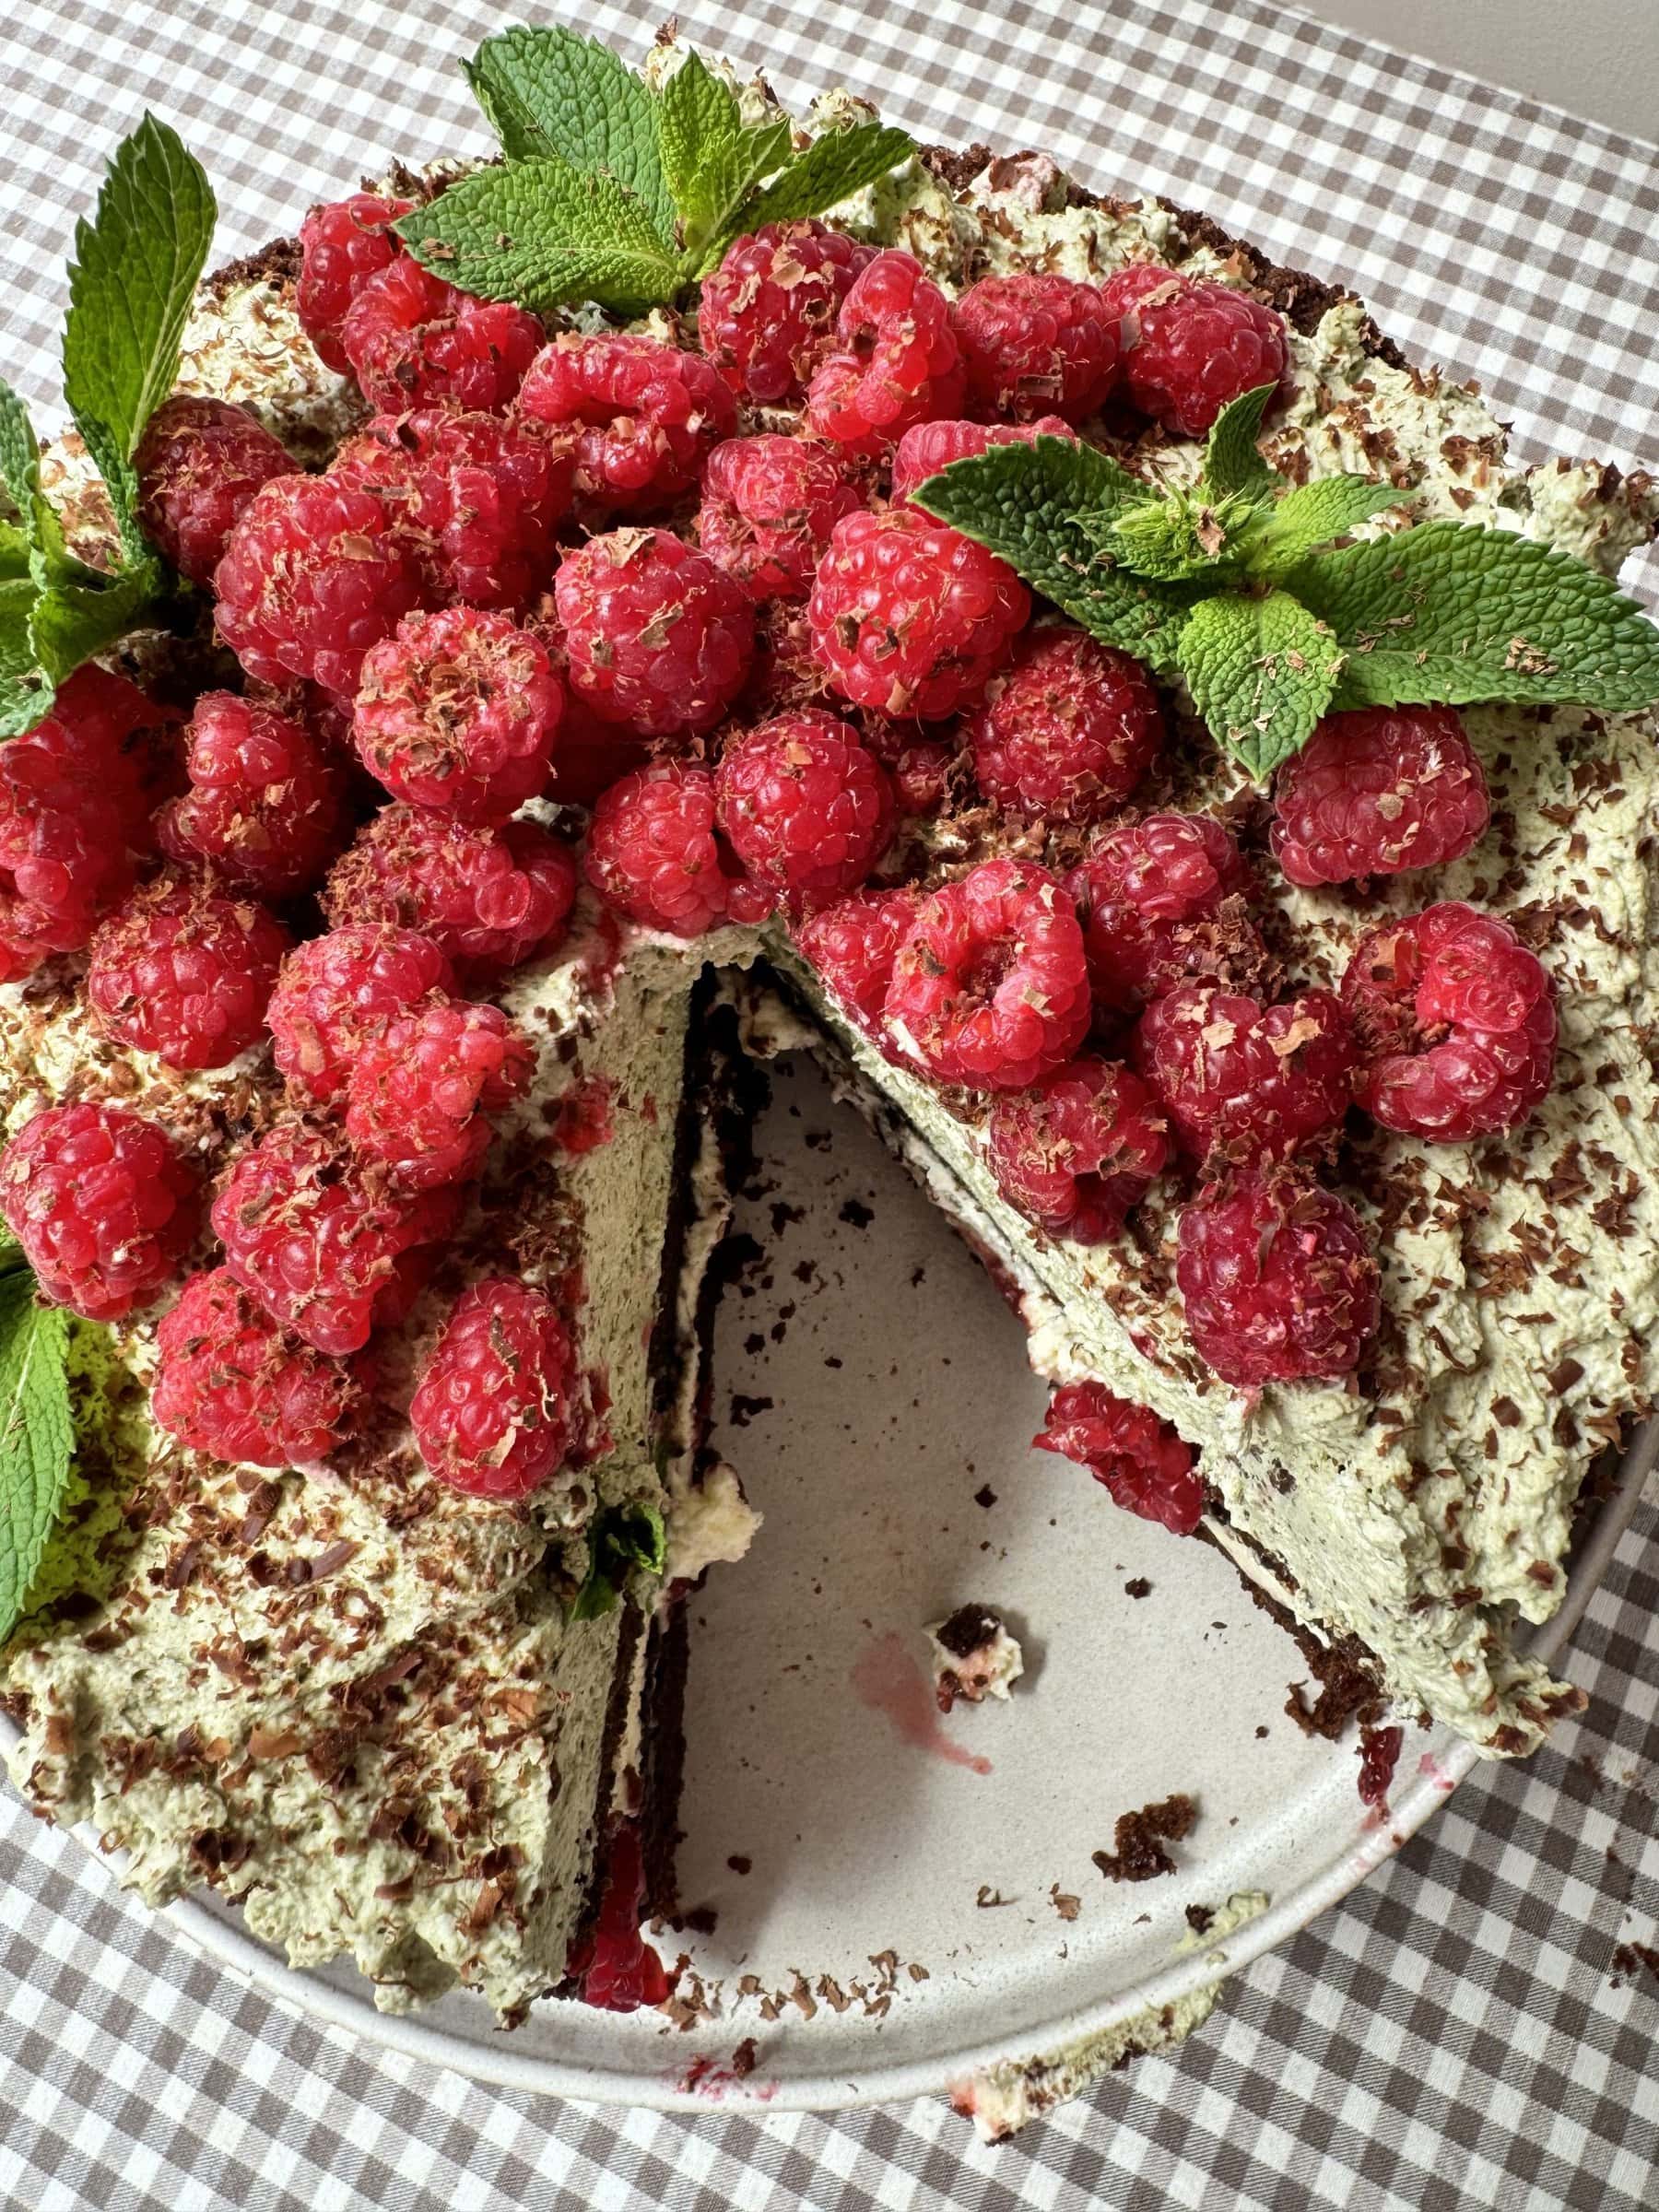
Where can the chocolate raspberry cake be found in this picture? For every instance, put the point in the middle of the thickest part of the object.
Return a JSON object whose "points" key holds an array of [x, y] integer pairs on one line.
{"points": [[591, 700]]}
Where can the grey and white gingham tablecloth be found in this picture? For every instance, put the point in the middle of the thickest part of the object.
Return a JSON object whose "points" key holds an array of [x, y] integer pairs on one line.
{"points": [[1458, 2033]]}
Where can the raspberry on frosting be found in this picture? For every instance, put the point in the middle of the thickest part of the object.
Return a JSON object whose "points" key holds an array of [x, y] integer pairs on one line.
{"points": [[420, 1090], [990, 988], [927, 447], [490, 1411], [658, 637], [910, 617], [1277, 1279], [1190, 346], [337, 991], [266, 805], [229, 1383], [101, 1203], [1242, 1081], [1038, 345], [806, 806], [591, 754], [644, 415], [767, 315], [199, 464], [312, 577], [317, 1236], [655, 855], [411, 338], [1377, 791], [185, 972], [1456, 1021], [1140, 1460], [896, 360], [458, 710], [768, 505], [489, 898], [616, 1969], [1068, 732], [1079, 1148], [1161, 900], [341, 246], [853, 945]]}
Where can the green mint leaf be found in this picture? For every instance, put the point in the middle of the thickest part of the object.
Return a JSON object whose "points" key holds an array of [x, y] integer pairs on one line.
{"points": [[14, 550], [1232, 462], [26, 693], [37, 1437], [710, 157], [121, 481], [41, 531], [1451, 612], [1181, 535], [132, 283], [831, 170], [1044, 507], [547, 91], [622, 1538], [1310, 515], [1261, 672], [71, 621], [545, 233]]}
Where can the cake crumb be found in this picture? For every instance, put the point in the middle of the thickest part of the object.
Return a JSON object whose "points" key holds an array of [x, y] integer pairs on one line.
{"points": [[1139, 1839], [1138, 1587], [973, 1656], [1064, 1903]]}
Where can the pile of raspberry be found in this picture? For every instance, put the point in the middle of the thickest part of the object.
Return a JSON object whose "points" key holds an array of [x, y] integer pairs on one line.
{"points": [[686, 588]]}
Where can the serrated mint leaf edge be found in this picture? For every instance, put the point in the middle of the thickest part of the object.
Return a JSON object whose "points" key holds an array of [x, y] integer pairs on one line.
{"points": [[1309, 516], [836, 165], [37, 1437], [1232, 463], [1282, 707], [588, 239]]}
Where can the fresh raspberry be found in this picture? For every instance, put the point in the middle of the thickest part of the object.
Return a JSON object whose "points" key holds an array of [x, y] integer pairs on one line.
{"points": [[990, 985], [593, 754], [74, 813], [265, 805], [316, 1234], [1278, 1282], [927, 447], [910, 617], [1161, 901], [767, 317], [1190, 346], [1079, 1148], [1138, 1459], [1038, 345], [1456, 1022], [658, 637], [199, 463], [411, 339], [1376, 792], [185, 972], [896, 360], [420, 1090], [807, 806], [101, 1203], [458, 710], [1379, 1750], [616, 1969], [341, 246], [490, 1412], [312, 577], [853, 945], [489, 898], [480, 497], [337, 991], [1068, 732], [922, 775], [229, 1383], [654, 855], [645, 415], [768, 505], [1241, 1081]]}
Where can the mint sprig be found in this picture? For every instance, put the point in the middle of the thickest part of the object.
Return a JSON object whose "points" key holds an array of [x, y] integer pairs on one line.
{"points": [[37, 1435], [615, 192], [1233, 583], [622, 1539]]}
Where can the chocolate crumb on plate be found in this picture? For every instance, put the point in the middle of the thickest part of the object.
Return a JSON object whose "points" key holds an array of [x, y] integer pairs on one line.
{"points": [[1140, 1837]]}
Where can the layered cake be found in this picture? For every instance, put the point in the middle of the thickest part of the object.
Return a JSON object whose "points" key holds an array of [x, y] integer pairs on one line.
{"points": [[592, 702]]}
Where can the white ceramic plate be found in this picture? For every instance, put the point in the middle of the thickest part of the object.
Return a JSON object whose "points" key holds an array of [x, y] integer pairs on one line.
{"points": [[833, 1851]]}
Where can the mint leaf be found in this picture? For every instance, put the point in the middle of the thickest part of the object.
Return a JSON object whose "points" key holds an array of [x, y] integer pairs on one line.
{"points": [[132, 284], [39, 529], [621, 1538], [1231, 461], [73, 622], [549, 92], [545, 233], [1452, 612], [14, 549], [833, 169], [1261, 672], [1310, 515], [711, 158], [1044, 507], [1183, 535], [121, 481], [36, 1437]]}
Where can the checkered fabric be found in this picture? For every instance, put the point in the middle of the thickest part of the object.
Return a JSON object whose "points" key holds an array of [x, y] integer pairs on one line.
{"points": [[1458, 2032]]}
